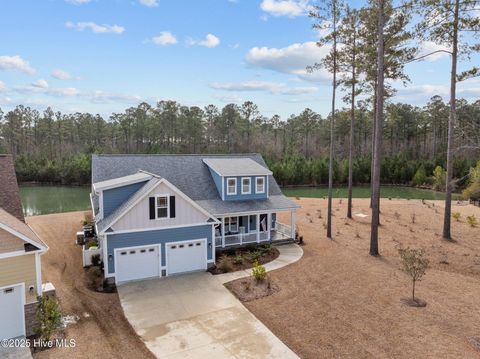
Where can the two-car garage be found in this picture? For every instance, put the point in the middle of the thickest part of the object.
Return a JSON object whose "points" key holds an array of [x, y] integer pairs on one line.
{"points": [[142, 262]]}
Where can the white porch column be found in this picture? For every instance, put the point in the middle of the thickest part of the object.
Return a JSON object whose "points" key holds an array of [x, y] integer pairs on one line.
{"points": [[269, 226], [223, 232], [258, 228], [292, 223]]}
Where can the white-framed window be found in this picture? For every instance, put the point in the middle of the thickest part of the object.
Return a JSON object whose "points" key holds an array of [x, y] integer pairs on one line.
{"points": [[246, 186], [162, 206], [231, 224], [260, 185], [231, 186]]}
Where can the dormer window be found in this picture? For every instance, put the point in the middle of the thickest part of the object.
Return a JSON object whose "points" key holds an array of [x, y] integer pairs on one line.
{"points": [[231, 186], [260, 185], [246, 187]]}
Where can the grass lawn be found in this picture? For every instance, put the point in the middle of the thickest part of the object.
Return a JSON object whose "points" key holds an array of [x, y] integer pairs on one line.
{"points": [[339, 302]]}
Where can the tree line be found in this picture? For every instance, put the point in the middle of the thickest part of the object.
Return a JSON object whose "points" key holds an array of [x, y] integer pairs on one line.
{"points": [[52, 147]]}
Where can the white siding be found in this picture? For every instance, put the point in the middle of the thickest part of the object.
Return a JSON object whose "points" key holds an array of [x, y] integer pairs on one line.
{"points": [[139, 215]]}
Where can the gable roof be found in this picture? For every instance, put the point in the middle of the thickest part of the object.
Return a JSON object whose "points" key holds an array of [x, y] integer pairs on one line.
{"points": [[12, 230], [10, 194], [236, 167], [105, 223], [191, 175], [121, 181]]}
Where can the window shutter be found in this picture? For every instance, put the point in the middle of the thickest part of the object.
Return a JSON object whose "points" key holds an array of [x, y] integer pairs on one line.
{"points": [[152, 207], [172, 206]]}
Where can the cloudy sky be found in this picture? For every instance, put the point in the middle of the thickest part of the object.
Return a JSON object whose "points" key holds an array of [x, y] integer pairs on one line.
{"points": [[102, 56]]}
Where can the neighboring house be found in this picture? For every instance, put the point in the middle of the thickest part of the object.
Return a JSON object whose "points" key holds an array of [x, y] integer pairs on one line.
{"points": [[158, 215], [20, 268]]}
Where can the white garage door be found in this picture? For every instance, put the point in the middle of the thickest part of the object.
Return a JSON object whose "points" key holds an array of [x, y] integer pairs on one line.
{"points": [[11, 312], [186, 256], [137, 263]]}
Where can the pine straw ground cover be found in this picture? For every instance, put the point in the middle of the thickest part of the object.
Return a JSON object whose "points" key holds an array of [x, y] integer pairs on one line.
{"points": [[339, 302]]}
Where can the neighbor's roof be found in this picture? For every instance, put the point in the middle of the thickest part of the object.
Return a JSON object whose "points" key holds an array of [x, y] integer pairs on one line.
{"points": [[10, 242], [9, 194], [236, 167], [191, 175], [120, 181]]}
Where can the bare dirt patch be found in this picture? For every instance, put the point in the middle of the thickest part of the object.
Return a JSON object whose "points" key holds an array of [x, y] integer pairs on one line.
{"points": [[339, 302], [101, 330], [248, 289]]}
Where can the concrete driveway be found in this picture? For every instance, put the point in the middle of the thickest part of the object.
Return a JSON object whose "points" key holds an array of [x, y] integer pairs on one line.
{"points": [[195, 316]]}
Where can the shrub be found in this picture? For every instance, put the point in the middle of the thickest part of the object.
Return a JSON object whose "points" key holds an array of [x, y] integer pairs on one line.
{"points": [[238, 259], [472, 221], [94, 278], [96, 260], [473, 189], [267, 248], [413, 217], [420, 177], [396, 215], [49, 317], [414, 264], [255, 256], [225, 264], [259, 272], [439, 178], [456, 216]]}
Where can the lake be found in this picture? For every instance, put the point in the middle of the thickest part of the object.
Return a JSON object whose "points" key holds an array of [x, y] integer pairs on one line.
{"points": [[364, 192], [39, 199]]}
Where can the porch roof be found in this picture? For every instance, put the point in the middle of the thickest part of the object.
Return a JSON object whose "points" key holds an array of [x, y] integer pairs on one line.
{"points": [[273, 203]]}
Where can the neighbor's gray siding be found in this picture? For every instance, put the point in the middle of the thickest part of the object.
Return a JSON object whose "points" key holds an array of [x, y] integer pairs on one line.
{"points": [[218, 180], [134, 239], [113, 198]]}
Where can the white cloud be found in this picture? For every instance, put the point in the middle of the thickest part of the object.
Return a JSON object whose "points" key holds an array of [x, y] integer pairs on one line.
{"points": [[60, 74], [210, 41], [43, 84], [96, 28], [165, 38], [78, 2], [290, 8], [230, 98], [15, 63], [3, 87], [272, 87], [292, 59], [428, 47], [149, 3], [106, 97]]}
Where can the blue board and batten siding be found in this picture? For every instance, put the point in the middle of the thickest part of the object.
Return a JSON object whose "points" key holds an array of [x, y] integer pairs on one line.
{"points": [[113, 198], [253, 189], [217, 179], [162, 236]]}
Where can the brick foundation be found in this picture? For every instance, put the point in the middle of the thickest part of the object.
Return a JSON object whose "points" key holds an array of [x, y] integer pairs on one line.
{"points": [[31, 322]]}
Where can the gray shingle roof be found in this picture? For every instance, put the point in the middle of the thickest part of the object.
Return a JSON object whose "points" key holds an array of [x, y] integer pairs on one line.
{"points": [[147, 187], [191, 176], [9, 193], [236, 167]]}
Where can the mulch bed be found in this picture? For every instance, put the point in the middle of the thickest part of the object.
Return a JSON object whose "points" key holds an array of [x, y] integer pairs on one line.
{"points": [[417, 303], [248, 289], [268, 254]]}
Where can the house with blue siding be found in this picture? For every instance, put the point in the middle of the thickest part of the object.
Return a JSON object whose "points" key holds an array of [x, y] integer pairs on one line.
{"points": [[161, 215]]}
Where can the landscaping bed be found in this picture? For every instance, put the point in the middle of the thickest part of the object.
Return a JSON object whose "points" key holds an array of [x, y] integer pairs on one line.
{"points": [[232, 260], [248, 289]]}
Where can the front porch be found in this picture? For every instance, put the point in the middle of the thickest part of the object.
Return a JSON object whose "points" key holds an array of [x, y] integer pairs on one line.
{"points": [[253, 228]]}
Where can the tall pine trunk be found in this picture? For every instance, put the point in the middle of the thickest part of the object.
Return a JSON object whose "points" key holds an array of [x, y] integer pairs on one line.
{"points": [[332, 125], [350, 150], [451, 125], [378, 132]]}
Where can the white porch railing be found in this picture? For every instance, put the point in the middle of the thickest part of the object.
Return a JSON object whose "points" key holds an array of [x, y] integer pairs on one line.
{"points": [[283, 228]]}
